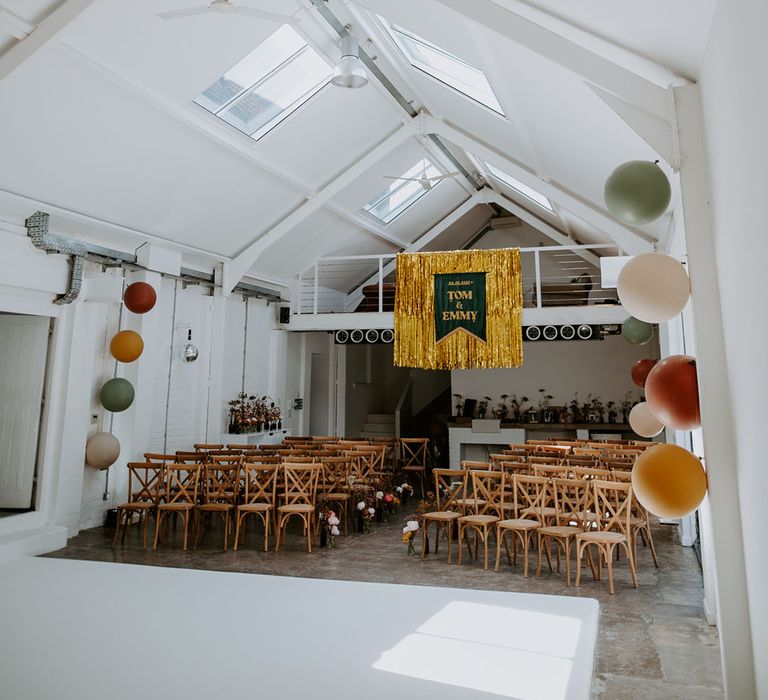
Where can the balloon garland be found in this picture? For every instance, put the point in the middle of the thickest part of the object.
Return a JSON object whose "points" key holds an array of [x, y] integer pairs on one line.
{"points": [[117, 394]]}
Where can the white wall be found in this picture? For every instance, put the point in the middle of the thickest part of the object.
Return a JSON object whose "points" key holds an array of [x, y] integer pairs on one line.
{"points": [[563, 368], [735, 114]]}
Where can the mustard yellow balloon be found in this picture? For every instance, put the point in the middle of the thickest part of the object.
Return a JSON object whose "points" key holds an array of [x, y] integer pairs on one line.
{"points": [[669, 481], [126, 346]]}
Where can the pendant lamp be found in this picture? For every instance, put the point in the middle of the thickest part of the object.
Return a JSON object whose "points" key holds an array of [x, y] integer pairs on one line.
{"points": [[350, 71]]}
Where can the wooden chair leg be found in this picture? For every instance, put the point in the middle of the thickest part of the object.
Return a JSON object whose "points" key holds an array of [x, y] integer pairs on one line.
{"points": [[450, 539], [609, 563], [526, 548], [157, 528], [632, 569], [424, 536], [499, 537], [461, 532], [485, 548], [186, 528], [579, 552]]}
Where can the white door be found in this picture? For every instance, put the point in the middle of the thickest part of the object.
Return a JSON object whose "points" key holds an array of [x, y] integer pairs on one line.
{"points": [[23, 352]]}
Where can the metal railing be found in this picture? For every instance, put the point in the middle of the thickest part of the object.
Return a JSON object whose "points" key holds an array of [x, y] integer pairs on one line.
{"points": [[551, 276]]}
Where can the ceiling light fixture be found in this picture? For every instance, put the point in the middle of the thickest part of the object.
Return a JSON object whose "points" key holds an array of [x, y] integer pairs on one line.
{"points": [[350, 71]]}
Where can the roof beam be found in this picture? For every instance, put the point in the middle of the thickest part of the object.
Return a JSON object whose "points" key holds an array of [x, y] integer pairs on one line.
{"points": [[14, 25], [429, 236], [363, 223], [547, 229], [630, 239], [589, 66], [45, 32], [235, 270]]}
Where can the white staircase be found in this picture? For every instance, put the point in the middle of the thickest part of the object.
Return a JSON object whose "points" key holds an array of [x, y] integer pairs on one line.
{"points": [[379, 425]]}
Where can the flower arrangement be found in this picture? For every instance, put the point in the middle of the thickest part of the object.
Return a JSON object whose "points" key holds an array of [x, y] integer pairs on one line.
{"points": [[248, 414], [329, 522], [409, 535], [404, 491], [459, 404], [365, 513], [517, 407]]}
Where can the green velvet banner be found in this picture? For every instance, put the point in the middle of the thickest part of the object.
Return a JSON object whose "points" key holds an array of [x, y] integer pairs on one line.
{"points": [[460, 304]]}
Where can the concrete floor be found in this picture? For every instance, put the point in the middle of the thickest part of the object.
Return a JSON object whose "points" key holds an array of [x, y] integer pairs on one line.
{"points": [[653, 642]]}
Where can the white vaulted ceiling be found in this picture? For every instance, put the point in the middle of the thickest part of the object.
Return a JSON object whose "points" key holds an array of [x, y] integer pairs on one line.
{"points": [[99, 124]]}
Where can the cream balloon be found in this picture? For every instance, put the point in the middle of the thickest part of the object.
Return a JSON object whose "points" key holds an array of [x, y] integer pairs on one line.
{"points": [[653, 287], [102, 450], [643, 422]]}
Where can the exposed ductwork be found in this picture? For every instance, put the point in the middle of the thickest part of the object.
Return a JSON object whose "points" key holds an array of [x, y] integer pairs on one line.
{"points": [[37, 230]]}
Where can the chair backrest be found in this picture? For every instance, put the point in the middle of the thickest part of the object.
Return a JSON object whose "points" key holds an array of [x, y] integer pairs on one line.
{"points": [[259, 457], [413, 452], [587, 451], [531, 495], [511, 467], [488, 486], [222, 481], [260, 482], [336, 471], [590, 473], [358, 467], [206, 447], [620, 475], [550, 471], [297, 438], [158, 458], [145, 482], [469, 464], [187, 457], [240, 447], [450, 486], [545, 459], [584, 461], [371, 459], [300, 482], [573, 501], [181, 482], [324, 438], [521, 447], [613, 501], [548, 449], [228, 459], [299, 459]]}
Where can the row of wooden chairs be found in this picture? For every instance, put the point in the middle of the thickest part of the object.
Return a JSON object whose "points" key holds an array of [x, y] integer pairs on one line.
{"points": [[565, 511], [232, 487]]}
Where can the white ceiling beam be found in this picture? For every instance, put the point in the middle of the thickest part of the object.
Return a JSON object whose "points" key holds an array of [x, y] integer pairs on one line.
{"points": [[547, 229], [657, 133], [464, 208], [569, 55], [14, 25], [235, 270], [362, 222], [632, 240], [45, 32]]}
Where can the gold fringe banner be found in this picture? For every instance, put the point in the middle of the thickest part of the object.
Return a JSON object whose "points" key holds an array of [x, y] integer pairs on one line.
{"points": [[415, 333]]}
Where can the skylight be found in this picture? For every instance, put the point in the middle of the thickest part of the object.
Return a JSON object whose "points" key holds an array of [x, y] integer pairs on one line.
{"points": [[401, 194], [444, 66], [269, 84], [519, 187]]}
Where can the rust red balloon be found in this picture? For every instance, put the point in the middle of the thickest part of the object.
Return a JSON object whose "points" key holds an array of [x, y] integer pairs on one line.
{"points": [[140, 297], [640, 371], [672, 392]]}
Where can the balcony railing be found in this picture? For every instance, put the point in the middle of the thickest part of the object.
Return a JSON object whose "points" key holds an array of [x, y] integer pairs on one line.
{"points": [[551, 276]]}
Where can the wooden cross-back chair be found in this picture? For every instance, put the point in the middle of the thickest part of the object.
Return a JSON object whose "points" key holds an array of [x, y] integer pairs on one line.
{"points": [[488, 496], [572, 498], [450, 491], [145, 483], [159, 458], [299, 459], [207, 447], [259, 498], [545, 459], [336, 487], [613, 502], [357, 467], [517, 455], [299, 499], [531, 497], [589, 473], [413, 459], [583, 461], [324, 438], [221, 487], [371, 460], [180, 498]]}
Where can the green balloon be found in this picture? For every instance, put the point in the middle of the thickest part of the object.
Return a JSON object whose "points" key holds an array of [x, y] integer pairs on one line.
{"points": [[637, 192], [117, 395], [636, 331]]}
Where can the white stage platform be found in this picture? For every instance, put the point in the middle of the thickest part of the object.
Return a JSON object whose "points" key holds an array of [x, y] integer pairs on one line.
{"points": [[74, 630]]}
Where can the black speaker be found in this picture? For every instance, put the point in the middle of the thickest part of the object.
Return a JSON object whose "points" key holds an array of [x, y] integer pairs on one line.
{"points": [[372, 336], [285, 314]]}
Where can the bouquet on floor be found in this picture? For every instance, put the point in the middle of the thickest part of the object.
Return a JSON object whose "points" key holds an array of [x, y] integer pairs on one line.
{"points": [[365, 514], [329, 527], [409, 535], [404, 491]]}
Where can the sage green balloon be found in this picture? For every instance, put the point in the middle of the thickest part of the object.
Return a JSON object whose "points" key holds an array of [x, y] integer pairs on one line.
{"points": [[637, 192], [636, 331], [117, 394]]}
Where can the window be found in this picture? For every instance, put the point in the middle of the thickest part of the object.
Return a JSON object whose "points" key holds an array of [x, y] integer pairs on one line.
{"points": [[270, 83], [393, 201], [445, 67], [519, 187]]}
